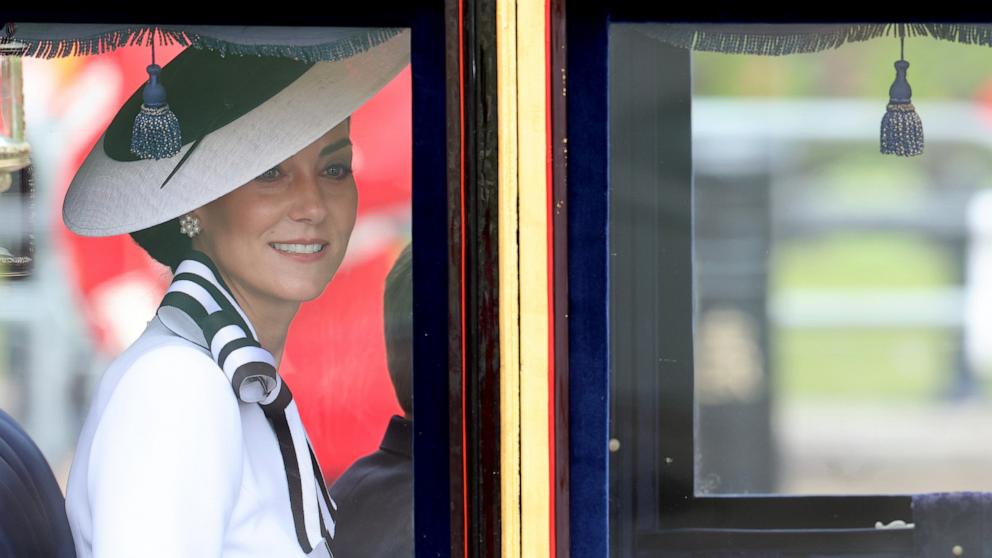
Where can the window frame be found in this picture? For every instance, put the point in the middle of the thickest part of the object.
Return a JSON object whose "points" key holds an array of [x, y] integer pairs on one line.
{"points": [[668, 514]]}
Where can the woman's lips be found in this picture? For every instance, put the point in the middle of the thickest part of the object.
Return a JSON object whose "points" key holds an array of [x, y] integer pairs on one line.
{"points": [[303, 250]]}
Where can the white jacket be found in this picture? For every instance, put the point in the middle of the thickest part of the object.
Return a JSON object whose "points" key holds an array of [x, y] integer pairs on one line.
{"points": [[170, 464]]}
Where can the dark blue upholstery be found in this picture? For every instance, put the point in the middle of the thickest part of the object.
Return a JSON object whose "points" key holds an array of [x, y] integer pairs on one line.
{"points": [[588, 274], [32, 510]]}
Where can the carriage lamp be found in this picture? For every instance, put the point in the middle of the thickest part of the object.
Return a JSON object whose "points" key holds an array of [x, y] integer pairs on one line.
{"points": [[16, 188], [14, 151]]}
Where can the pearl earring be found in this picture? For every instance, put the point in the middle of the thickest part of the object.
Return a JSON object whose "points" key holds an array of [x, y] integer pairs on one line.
{"points": [[189, 225]]}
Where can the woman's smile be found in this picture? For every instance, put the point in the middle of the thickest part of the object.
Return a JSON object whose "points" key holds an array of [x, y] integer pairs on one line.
{"points": [[300, 250]]}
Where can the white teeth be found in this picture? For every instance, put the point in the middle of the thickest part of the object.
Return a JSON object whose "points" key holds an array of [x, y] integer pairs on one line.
{"points": [[298, 248]]}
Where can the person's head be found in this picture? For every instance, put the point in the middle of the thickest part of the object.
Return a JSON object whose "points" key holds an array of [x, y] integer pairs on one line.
{"points": [[264, 164], [397, 310], [283, 234]]}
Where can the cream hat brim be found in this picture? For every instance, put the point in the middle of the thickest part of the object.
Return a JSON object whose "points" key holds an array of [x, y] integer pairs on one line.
{"points": [[109, 197]]}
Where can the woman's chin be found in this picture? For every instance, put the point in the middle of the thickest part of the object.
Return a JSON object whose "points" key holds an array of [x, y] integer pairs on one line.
{"points": [[302, 282], [297, 293], [303, 291], [311, 296]]}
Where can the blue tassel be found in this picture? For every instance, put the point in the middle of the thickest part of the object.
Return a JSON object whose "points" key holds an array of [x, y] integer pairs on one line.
{"points": [[902, 129], [156, 132]]}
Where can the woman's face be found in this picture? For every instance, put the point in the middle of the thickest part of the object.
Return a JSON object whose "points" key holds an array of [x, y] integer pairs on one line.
{"points": [[282, 236]]}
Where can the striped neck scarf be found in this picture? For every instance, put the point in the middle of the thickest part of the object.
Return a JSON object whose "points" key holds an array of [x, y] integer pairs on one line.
{"points": [[200, 308]]}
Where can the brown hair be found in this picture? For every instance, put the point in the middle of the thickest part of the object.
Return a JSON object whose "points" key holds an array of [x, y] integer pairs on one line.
{"points": [[164, 242]]}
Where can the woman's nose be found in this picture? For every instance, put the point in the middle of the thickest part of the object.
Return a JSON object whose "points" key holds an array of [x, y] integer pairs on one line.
{"points": [[308, 203]]}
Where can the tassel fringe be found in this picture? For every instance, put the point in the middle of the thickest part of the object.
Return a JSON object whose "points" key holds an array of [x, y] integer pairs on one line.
{"points": [[337, 50], [143, 36], [100, 44], [156, 133], [779, 40], [902, 131]]}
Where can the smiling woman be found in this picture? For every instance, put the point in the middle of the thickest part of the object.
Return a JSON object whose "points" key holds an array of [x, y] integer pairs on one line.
{"points": [[254, 215]]}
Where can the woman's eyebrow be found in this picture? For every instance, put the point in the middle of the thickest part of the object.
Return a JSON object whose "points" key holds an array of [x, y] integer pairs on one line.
{"points": [[335, 146]]}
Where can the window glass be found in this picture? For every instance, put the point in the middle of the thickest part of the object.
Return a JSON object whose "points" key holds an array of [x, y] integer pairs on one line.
{"points": [[840, 341], [837, 342]]}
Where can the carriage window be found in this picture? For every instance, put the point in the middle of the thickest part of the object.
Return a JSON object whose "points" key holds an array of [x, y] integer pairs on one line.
{"points": [[824, 306], [842, 339], [79, 302]]}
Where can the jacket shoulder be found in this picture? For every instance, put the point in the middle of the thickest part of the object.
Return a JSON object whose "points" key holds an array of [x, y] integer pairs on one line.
{"points": [[160, 364]]}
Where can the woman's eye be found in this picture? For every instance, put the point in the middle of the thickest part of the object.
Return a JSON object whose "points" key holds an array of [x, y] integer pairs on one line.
{"points": [[337, 171], [269, 175]]}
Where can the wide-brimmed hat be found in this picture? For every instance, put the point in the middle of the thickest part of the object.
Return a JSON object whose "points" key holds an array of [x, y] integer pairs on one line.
{"points": [[239, 116]]}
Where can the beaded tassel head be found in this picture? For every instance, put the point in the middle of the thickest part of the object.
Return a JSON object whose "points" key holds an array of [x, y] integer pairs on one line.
{"points": [[902, 129], [156, 133]]}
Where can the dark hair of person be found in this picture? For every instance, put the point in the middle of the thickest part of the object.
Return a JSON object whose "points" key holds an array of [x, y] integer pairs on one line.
{"points": [[164, 243], [397, 310]]}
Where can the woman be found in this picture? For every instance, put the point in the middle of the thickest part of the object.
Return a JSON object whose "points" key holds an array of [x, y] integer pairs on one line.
{"points": [[193, 446]]}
